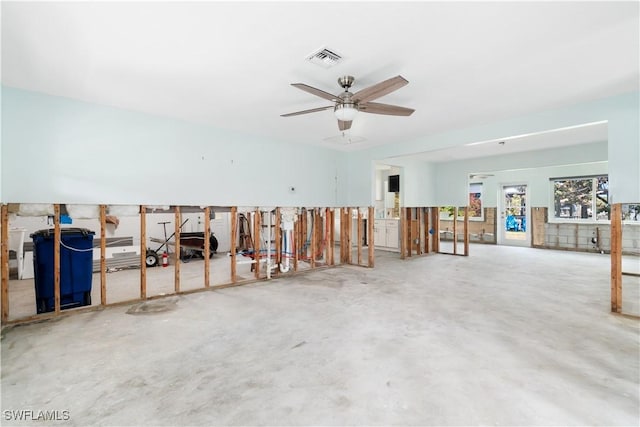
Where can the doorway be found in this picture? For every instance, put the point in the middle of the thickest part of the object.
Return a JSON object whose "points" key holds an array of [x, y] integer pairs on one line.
{"points": [[514, 227]]}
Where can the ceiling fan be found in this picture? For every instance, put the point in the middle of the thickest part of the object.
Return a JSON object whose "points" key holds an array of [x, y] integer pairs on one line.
{"points": [[348, 104]]}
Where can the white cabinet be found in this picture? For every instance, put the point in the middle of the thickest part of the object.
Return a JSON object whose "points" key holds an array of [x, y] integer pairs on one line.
{"points": [[385, 233]]}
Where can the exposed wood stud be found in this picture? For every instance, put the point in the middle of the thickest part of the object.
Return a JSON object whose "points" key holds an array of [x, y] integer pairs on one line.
{"points": [[5, 262], [331, 238], [349, 236], [207, 246], [56, 258], [466, 231], [278, 238], [616, 258], [360, 236], [314, 238], [455, 230], [257, 242], [370, 240], [426, 213], [234, 243], [143, 252], [176, 270], [435, 225], [103, 255], [403, 233], [294, 240]]}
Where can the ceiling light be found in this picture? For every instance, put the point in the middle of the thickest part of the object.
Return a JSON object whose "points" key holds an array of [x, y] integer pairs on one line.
{"points": [[346, 112]]}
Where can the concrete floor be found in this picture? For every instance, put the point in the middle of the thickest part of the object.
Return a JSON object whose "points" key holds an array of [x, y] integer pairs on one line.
{"points": [[508, 336]]}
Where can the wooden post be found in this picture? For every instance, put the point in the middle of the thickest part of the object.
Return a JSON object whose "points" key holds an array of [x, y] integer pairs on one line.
{"points": [[56, 257], [5, 262], [278, 238], [403, 233], [176, 270], [360, 236], [370, 240], [426, 213], [234, 243], [294, 240], [435, 225], [314, 237], [103, 255], [455, 230], [616, 258], [143, 252], [466, 231], [207, 246], [257, 236], [349, 236], [331, 236]]}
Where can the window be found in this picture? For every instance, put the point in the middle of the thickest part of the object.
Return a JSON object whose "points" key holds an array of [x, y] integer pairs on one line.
{"points": [[475, 201], [631, 213], [581, 198]]}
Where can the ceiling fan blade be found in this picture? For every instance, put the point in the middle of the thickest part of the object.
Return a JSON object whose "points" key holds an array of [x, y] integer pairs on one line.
{"points": [[314, 91], [344, 125], [389, 110], [313, 110], [380, 89]]}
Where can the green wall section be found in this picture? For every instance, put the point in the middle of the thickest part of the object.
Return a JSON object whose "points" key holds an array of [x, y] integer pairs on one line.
{"points": [[60, 150], [623, 151]]}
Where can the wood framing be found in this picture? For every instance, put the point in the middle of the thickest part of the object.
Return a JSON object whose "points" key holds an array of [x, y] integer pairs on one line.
{"points": [[5, 262], [455, 230], [403, 233], [616, 258], [426, 212], [207, 246], [56, 258], [349, 236], [257, 240], [370, 240], [314, 238], [331, 236], [435, 226], [143, 252], [466, 231], [176, 266], [294, 245], [360, 236], [103, 255], [234, 243], [278, 238]]}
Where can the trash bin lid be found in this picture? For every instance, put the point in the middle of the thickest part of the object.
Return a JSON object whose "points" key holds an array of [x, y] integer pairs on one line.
{"points": [[48, 232]]}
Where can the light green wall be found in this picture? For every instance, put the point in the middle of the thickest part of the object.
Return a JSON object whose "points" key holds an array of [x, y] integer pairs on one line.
{"points": [[623, 151], [57, 150]]}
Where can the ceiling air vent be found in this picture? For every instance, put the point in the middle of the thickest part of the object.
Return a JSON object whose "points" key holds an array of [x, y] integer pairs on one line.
{"points": [[325, 58]]}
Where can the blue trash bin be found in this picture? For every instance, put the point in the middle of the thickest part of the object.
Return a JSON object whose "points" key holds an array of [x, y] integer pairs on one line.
{"points": [[76, 268]]}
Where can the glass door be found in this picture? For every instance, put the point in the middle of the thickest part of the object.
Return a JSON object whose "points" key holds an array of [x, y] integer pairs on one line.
{"points": [[514, 219]]}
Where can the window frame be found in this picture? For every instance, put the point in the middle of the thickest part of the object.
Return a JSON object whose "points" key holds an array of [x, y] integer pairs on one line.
{"points": [[594, 187]]}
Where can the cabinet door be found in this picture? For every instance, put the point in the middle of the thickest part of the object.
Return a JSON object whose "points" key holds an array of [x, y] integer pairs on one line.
{"points": [[379, 233], [392, 235]]}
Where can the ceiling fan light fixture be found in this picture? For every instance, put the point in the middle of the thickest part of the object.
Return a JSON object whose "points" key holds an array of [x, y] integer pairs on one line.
{"points": [[346, 111]]}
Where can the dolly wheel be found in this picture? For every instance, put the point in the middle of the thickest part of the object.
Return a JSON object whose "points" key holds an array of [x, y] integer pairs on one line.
{"points": [[151, 259]]}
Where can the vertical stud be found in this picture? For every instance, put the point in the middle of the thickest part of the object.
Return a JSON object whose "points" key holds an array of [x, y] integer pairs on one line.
{"points": [[234, 243], [5, 262], [103, 255], [176, 266], [616, 258], [143, 252], [207, 246], [56, 258], [370, 241]]}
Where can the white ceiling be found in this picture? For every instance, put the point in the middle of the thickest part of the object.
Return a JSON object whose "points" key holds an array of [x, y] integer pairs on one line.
{"points": [[230, 64]]}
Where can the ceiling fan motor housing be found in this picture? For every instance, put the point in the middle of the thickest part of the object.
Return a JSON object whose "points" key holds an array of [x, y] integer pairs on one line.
{"points": [[346, 81]]}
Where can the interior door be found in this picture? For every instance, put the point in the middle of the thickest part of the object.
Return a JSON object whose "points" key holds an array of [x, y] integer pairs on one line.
{"points": [[513, 226]]}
